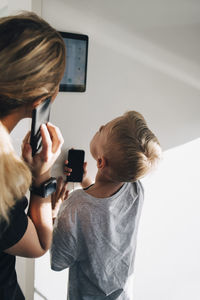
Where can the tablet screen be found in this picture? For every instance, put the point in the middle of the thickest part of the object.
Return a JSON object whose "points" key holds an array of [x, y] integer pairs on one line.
{"points": [[74, 79]]}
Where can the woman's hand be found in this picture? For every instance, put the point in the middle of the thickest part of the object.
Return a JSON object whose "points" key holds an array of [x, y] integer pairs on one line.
{"points": [[59, 196], [42, 162]]}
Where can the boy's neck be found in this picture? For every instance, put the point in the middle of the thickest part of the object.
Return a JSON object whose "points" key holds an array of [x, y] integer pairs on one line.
{"points": [[104, 188]]}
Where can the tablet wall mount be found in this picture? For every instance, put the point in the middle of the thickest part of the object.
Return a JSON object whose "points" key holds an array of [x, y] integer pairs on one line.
{"points": [[75, 75]]}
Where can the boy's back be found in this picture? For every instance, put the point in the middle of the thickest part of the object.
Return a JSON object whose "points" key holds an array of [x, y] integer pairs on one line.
{"points": [[96, 238]]}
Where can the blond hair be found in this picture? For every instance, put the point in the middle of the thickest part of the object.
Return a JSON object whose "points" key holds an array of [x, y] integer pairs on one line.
{"points": [[132, 149], [32, 63], [15, 176]]}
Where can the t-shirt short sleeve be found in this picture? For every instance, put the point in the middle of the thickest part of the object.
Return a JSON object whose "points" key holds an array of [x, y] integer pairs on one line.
{"points": [[64, 250], [12, 232]]}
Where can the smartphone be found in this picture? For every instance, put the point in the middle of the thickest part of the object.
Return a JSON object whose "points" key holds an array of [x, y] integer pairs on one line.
{"points": [[75, 162], [40, 115]]}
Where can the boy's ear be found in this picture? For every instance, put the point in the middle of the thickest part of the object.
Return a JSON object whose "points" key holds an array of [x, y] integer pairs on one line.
{"points": [[101, 162]]}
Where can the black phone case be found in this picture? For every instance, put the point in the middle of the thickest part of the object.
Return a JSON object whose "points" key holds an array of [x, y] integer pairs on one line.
{"points": [[75, 162], [40, 115]]}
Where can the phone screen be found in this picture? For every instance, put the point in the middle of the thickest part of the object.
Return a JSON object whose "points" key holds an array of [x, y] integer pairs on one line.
{"points": [[75, 162], [40, 115]]}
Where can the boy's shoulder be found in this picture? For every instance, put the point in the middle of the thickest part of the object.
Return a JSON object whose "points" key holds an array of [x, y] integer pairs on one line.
{"points": [[80, 201], [140, 186], [75, 200]]}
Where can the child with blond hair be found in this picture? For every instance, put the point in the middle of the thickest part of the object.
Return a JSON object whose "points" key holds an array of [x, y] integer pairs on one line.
{"points": [[96, 227]]}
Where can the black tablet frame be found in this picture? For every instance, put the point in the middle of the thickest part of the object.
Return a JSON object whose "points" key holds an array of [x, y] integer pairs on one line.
{"points": [[64, 87]]}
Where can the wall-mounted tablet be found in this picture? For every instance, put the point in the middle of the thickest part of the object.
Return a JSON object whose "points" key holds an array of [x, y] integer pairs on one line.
{"points": [[74, 79]]}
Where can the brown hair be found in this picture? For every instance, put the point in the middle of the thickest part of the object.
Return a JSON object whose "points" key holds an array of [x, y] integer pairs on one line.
{"points": [[32, 62], [132, 149]]}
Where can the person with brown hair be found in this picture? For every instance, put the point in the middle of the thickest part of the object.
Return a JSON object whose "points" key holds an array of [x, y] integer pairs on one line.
{"points": [[96, 228], [32, 63]]}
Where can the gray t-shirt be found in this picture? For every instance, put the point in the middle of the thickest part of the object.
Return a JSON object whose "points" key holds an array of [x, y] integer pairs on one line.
{"points": [[96, 238]]}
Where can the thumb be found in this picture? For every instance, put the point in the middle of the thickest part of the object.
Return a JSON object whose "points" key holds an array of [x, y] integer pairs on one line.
{"points": [[85, 166]]}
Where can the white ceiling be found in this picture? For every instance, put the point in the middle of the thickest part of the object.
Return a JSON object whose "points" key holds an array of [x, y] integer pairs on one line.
{"points": [[3, 8], [173, 25], [3, 3]]}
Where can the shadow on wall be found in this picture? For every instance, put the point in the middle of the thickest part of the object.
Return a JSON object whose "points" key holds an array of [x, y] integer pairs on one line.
{"points": [[160, 83], [40, 295]]}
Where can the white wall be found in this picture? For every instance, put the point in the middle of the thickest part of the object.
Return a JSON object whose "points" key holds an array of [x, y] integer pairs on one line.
{"points": [[167, 259], [127, 72]]}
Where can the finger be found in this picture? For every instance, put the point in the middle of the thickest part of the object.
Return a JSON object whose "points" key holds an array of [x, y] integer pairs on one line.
{"points": [[66, 164], [85, 166], [46, 141], [26, 139], [27, 153], [56, 137], [67, 170], [67, 174]]}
